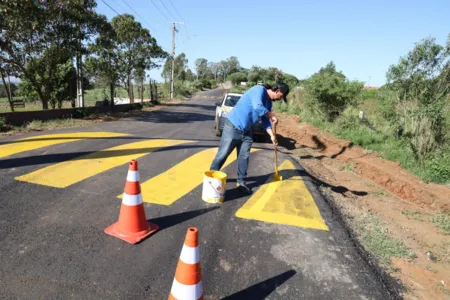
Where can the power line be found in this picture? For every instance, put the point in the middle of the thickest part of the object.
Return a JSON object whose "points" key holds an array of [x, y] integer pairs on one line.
{"points": [[139, 15], [110, 7], [185, 27], [167, 9], [176, 11], [160, 10], [133, 11]]}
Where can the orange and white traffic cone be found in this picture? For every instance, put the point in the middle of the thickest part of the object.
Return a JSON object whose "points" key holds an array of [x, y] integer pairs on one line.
{"points": [[187, 284], [132, 225]]}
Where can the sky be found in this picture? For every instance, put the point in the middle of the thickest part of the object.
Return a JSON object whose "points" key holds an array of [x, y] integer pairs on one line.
{"points": [[363, 38]]}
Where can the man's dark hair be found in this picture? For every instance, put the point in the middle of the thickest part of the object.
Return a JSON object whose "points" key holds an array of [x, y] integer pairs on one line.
{"points": [[284, 88]]}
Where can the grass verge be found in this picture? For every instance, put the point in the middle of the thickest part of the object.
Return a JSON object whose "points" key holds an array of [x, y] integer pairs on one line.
{"points": [[377, 240], [374, 134], [442, 221]]}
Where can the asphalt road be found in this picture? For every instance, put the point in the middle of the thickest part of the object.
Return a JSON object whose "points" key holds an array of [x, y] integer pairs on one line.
{"points": [[56, 199]]}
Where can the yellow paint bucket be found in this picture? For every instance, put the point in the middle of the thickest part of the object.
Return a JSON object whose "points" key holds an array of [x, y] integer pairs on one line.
{"points": [[214, 186]]}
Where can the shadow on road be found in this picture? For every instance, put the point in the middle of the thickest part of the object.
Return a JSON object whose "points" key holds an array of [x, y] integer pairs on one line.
{"points": [[172, 220], [198, 106], [170, 117], [60, 157], [262, 289], [257, 181], [37, 139]]}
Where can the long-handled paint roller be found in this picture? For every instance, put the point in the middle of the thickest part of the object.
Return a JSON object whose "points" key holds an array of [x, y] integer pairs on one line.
{"points": [[276, 176]]}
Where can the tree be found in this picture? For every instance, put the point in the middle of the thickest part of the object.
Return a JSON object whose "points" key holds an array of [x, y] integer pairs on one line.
{"points": [[45, 32], [7, 88], [139, 75], [233, 65], [190, 76], [56, 74], [201, 67], [421, 83], [180, 66], [104, 66], [330, 69], [137, 49], [331, 92], [224, 68], [237, 78], [290, 80], [214, 67]]}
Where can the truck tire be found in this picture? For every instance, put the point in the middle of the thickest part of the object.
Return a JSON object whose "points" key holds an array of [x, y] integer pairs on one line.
{"points": [[217, 131]]}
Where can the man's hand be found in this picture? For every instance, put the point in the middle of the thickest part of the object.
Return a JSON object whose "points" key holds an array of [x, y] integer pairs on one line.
{"points": [[274, 120], [272, 117], [274, 141]]}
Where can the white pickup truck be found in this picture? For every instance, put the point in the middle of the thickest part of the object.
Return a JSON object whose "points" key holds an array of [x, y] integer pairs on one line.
{"points": [[224, 107]]}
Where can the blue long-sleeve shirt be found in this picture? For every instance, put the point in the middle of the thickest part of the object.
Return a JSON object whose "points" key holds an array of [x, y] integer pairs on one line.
{"points": [[253, 104]]}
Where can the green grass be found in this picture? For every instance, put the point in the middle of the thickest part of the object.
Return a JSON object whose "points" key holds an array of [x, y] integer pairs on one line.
{"points": [[347, 167], [38, 125], [379, 192], [442, 221], [373, 133], [378, 241], [414, 215], [90, 97]]}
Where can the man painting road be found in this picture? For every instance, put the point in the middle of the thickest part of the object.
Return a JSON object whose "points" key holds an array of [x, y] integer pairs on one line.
{"points": [[237, 131]]}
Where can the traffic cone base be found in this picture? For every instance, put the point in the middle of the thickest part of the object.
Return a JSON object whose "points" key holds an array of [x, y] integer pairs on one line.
{"points": [[132, 225], [132, 237]]}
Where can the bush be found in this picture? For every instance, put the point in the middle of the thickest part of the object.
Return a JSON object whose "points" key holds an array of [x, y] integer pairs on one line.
{"points": [[348, 119], [419, 89], [331, 92], [206, 83], [198, 85], [3, 125], [237, 78], [368, 94], [184, 89], [438, 167]]}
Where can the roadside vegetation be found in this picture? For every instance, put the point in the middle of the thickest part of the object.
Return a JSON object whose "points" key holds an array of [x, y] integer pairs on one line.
{"points": [[407, 120]]}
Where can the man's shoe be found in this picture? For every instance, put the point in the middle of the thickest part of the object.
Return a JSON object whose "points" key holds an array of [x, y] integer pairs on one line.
{"points": [[244, 188]]}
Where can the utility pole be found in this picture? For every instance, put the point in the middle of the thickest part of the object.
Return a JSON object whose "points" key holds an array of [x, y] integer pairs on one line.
{"points": [[79, 64], [174, 29]]}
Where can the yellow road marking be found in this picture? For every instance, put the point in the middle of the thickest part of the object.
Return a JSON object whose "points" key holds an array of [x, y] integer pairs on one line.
{"points": [[168, 187], [69, 172], [284, 202], [41, 141]]}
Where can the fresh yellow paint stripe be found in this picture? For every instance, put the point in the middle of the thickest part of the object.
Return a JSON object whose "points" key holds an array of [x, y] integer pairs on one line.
{"points": [[168, 187], [284, 202], [41, 141], [69, 172]]}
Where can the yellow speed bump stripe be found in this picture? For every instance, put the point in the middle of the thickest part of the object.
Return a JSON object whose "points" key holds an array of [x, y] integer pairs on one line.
{"points": [[168, 187], [41, 141], [72, 171], [284, 202]]}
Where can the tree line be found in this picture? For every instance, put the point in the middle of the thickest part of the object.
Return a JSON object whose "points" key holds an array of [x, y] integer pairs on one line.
{"points": [[210, 72], [55, 47], [43, 43]]}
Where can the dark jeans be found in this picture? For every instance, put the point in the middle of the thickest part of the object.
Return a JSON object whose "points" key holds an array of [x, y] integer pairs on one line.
{"points": [[233, 138]]}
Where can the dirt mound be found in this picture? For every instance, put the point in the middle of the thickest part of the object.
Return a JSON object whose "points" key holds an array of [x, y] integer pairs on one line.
{"points": [[387, 174]]}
